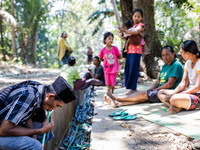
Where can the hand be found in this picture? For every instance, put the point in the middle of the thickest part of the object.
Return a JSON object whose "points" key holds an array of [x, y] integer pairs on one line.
{"points": [[47, 126], [89, 69], [34, 136], [125, 50], [167, 97], [121, 29]]}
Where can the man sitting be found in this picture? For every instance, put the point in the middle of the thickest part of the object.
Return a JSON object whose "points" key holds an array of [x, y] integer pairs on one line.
{"points": [[22, 112]]}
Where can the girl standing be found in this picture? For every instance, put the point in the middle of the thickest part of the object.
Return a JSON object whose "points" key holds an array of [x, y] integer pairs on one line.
{"points": [[109, 55], [182, 97], [132, 65]]}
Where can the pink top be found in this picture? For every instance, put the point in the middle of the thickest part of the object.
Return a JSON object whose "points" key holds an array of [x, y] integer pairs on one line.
{"points": [[110, 62], [136, 48]]}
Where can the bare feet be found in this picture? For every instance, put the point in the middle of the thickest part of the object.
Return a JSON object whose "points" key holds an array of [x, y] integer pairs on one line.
{"points": [[113, 97], [109, 101], [130, 92], [174, 110]]}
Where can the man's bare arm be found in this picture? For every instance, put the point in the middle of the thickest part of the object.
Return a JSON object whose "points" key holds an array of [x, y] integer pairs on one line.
{"points": [[8, 128]]}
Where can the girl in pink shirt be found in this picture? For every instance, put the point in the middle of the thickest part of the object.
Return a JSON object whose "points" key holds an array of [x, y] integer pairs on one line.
{"points": [[109, 55]]}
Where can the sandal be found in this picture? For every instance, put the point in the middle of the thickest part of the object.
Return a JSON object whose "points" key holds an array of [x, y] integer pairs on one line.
{"points": [[118, 113], [128, 117]]}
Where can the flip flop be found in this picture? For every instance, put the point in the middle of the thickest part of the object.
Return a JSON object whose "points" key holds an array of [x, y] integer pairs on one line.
{"points": [[118, 113], [128, 117]]}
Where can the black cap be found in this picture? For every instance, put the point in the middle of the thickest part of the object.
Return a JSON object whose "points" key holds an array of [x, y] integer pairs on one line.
{"points": [[63, 90]]}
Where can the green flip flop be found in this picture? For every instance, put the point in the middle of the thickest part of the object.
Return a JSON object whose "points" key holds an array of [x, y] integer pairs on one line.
{"points": [[118, 113], [128, 117]]}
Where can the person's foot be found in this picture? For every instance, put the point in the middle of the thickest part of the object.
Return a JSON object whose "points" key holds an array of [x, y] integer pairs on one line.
{"points": [[109, 101], [130, 92], [113, 97], [174, 110]]}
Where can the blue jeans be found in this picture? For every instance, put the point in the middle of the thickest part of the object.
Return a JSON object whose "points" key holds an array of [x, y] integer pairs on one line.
{"points": [[65, 57], [20, 143], [24, 142]]}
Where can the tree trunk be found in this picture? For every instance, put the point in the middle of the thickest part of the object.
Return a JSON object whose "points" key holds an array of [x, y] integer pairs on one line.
{"points": [[1, 33], [149, 64], [152, 42], [62, 19], [2, 40], [199, 35], [126, 9], [14, 50], [34, 46]]}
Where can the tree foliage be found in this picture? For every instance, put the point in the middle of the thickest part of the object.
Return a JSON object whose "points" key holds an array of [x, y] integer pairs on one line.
{"points": [[39, 23]]}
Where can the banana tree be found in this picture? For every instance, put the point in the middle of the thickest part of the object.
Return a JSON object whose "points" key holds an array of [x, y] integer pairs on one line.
{"points": [[7, 17], [101, 15]]}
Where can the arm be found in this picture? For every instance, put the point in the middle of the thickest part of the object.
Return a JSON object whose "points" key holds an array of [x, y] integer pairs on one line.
{"points": [[93, 76], [136, 31], [101, 59], [76, 75], [170, 83], [183, 84], [29, 124], [122, 37], [8, 128], [195, 88], [66, 43], [119, 56], [141, 34], [155, 85]]}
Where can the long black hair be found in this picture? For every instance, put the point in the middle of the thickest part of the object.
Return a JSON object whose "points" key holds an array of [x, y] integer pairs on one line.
{"points": [[191, 47]]}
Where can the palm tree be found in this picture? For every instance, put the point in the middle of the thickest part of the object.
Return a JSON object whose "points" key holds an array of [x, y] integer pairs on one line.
{"points": [[5, 16], [8, 17]]}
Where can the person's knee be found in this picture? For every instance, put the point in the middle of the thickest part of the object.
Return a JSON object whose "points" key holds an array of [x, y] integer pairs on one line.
{"points": [[144, 95], [160, 93], [36, 145], [173, 100]]}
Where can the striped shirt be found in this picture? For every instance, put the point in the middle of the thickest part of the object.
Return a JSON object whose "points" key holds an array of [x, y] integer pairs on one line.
{"points": [[19, 102]]}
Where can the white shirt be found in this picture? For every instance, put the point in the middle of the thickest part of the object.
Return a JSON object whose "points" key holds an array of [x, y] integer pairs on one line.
{"points": [[192, 72]]}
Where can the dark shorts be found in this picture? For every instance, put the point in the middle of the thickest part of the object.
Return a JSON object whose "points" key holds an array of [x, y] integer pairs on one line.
{"points": [[89, 57], [152, 96], [194, 101]]}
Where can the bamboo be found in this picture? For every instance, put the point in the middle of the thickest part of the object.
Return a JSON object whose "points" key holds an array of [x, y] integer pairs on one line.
{"points": [[116, 12]]}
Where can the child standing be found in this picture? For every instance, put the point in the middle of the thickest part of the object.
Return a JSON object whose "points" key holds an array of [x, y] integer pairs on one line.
{"points": [[132, 65], [109, 55]]}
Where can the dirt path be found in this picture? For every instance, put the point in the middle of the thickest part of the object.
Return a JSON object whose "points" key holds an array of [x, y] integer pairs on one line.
{"points": [[140, 133]]}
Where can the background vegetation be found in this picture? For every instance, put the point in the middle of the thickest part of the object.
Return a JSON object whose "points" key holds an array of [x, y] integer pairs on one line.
{"points": [[34, 39]]}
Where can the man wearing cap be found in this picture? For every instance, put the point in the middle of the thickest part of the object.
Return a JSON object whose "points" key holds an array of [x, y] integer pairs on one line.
{"points": [[22, 112]]}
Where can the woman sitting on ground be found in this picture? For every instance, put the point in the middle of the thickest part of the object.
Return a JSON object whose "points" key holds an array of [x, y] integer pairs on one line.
{"points": [[181, 97], [170, 76]]}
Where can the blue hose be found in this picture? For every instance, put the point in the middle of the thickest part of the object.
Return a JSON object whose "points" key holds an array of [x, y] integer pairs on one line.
{"points": [[78, 136]]}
